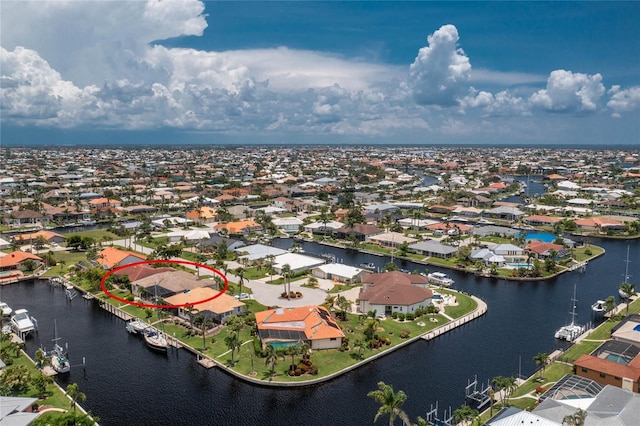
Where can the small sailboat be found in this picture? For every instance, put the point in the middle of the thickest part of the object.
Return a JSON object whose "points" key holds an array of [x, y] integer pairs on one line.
{"points": [[571, 331], [156, 340], [59, 360], [621, 292]]}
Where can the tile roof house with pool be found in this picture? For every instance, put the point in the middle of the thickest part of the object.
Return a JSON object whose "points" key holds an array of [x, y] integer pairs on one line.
{"points": [[282, 327]]}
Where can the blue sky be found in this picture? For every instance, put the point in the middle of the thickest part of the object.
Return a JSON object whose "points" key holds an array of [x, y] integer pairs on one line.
{"points": [[516, 73]]}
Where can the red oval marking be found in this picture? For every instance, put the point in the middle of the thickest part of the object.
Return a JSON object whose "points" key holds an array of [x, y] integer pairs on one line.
{"points": [[149, 305]]}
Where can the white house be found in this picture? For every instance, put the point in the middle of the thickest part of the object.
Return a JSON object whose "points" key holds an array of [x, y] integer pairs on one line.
{"points": [[339, 272], [290, 225]]}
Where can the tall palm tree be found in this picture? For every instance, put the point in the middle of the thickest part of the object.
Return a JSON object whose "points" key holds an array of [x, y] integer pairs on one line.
{"points": [[233, 343], [629, 290], [610, 303], [239, 272], [390, 403], [464, 414], [271, 358], [541, 360], [286, 272], [75, 395], [293, 350]]}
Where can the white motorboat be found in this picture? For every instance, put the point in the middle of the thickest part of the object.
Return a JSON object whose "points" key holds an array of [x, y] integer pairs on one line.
{"points": [[136, 326], [156, 340], [369, 265], [440, 278], [22, 323], [599, 306], [571, 331], [5, 309]]}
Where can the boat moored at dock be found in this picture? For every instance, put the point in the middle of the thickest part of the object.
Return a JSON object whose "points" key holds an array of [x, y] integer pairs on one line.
{"points": [[23, 324], [440, 278]]}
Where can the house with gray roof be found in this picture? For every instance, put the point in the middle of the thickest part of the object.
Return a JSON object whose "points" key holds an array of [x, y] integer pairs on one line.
{"points": [[433, 249], [510, 214]]}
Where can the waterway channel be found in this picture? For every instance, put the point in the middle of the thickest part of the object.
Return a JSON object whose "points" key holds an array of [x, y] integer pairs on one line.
{"points": [[127, 384]]}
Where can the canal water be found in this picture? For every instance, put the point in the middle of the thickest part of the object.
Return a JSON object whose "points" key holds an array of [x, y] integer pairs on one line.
{"points": [[126, 383]]}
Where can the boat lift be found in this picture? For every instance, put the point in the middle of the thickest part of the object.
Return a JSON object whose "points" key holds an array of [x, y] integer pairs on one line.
{"points": [[481, 397], [433, 419]]}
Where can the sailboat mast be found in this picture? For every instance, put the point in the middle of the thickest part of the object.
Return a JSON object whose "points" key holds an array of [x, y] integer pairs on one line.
{"points": [[573, 302]]}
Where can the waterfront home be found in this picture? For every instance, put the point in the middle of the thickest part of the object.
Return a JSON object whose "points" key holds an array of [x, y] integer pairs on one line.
{"points": [[391, 239], [26, 217], [17, 411], [217, 309], [613, 363], [167, 284], [290, 225], [598, 224], [541, 220], [339, 272], [138, 272], [393, 292], [111, 257], [359, 231], [511, 253], [433, 249], [256, 252], [606, 405], [320, 228], [546, 250], [18, 260], [243, 227], [282, 327]]}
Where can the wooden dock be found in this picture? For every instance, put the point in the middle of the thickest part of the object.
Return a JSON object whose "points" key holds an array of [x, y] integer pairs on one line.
{"points": [[205, 361]]}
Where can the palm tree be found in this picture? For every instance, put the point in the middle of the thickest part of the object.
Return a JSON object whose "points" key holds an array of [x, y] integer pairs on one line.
{"points": [[239, 272], [541, 360], [464, 414], [610, 303], [390, 403], [233, 343], [271, 358], [629, 290], [286, 271], [293, 350], [75, 395]]}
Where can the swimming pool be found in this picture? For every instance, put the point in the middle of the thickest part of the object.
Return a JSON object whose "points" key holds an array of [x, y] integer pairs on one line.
{"points": [[617, 358], [541, 236], [520, 265]]}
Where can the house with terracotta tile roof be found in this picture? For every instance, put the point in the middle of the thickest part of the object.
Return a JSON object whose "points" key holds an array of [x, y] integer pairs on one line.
{"points": [[544, 250], [202, 215], [242, 227], [598, 224], [612, 363], [541, 220], [49, 237], [105, 202], [314, 325], [217, 309], [111, 257], [395, 291], [15, 261], [138, 272]]}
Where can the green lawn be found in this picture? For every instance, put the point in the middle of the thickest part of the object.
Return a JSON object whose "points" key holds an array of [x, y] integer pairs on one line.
{"points": [[465, 304]]}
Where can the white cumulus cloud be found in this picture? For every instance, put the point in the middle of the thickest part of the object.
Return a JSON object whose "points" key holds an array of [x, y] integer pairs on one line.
{"points": [[624, 100], [441, 69], [569, 92]]}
